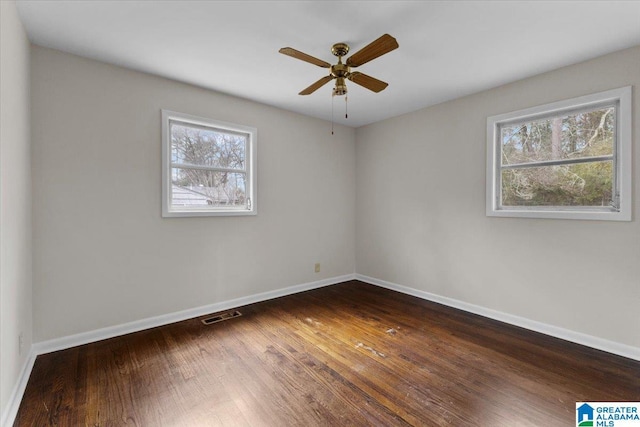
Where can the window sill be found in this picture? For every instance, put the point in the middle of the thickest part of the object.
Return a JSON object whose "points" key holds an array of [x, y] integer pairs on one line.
{"points": [[203, 213], [623, 215]]}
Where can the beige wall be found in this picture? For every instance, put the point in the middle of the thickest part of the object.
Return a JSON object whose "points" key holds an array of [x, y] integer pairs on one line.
{"points": [[103, 255], [421, 221], [15, 200]]}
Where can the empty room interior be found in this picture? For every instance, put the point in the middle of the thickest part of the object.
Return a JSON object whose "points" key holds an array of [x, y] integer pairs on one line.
{"points": [[319, 213]]}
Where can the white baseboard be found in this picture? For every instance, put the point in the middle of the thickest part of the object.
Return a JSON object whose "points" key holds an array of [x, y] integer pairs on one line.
{"points": [[43, 347], [11, 410], [554, 331]]}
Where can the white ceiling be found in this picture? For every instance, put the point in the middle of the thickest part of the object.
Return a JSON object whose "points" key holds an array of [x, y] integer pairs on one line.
{"points": [[448, 49]]}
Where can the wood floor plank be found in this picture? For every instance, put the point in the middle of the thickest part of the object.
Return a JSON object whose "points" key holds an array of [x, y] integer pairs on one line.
{"points": [[349, 354]]}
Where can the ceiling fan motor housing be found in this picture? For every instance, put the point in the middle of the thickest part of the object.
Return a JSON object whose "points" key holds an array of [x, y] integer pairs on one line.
{"points": [[340, 70]]}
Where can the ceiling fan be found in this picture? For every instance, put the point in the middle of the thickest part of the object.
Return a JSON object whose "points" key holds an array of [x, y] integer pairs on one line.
{"points": [[340, 71]]}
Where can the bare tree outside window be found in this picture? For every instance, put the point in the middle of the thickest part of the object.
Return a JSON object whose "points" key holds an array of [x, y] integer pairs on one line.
{"points": [[210, 163]]}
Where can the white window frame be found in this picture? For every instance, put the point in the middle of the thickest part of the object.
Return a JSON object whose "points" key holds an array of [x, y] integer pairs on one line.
{"points": [[622, 159], [250, 167]]}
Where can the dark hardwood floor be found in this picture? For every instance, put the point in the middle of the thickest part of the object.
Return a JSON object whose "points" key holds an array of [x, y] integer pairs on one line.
{"points": [[349, 354]]}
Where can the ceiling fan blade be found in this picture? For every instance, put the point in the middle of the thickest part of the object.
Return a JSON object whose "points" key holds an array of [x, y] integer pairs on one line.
{"points": [[376, 48], [317, 85], [289, 51], [369, 82]]}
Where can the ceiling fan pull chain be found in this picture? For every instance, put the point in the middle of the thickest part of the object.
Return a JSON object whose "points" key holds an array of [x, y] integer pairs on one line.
{"points": [[333, 95], [346, 109]]}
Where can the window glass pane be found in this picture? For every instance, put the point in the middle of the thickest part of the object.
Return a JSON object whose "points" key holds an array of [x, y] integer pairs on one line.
{"points": [[576, 135], [193, 188], [203, 146], [583, 184]]}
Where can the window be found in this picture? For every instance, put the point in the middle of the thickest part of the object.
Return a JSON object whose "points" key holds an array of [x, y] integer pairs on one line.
{"points": [[208, 167], [570, 159]]}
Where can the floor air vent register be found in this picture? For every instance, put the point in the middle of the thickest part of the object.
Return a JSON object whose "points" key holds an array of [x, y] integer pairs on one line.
{"points": [[221, 317]]}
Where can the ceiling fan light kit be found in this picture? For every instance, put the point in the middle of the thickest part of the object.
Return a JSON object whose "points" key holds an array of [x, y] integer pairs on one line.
{"points": [[342, 71]]}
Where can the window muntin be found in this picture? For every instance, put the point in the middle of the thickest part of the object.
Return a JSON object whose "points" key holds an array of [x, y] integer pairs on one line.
{"points": [[209, 167], [569, 159]]}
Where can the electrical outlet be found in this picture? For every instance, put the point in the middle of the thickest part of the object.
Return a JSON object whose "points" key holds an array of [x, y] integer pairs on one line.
{"points": [[317, 268], [20, 343]]}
